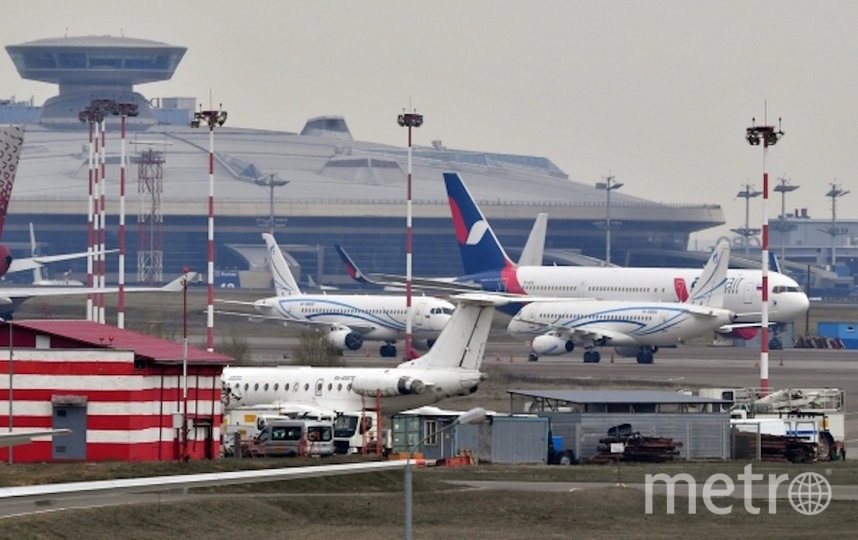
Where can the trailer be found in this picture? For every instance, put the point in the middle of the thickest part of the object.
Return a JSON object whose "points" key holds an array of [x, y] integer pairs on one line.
{"points": [[814, 415]]}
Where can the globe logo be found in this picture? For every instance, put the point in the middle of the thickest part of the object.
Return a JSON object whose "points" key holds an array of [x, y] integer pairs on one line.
{"points": [[809, 493]]}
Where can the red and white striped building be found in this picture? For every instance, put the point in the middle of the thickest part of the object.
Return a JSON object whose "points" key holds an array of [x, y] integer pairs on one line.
{"points": [[119, 392]]}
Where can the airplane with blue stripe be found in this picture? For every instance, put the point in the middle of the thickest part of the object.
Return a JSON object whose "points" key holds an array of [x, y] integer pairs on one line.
{"points": [[558, 326], [345, 320]]}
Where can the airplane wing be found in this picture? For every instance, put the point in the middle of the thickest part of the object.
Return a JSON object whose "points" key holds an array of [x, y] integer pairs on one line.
{"points": [[31, 263], [11, 295], [397, 282]]}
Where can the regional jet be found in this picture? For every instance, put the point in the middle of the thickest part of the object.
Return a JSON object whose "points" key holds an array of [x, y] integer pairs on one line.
{"points": [[346, 320], [633, 328], [450, 368]]}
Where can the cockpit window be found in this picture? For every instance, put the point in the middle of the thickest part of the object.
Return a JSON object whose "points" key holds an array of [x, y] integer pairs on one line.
{"points": [[784, 288]]}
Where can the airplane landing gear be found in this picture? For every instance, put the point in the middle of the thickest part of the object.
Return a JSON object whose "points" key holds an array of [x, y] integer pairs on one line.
{"points": [[387, 351], [592, 357]]}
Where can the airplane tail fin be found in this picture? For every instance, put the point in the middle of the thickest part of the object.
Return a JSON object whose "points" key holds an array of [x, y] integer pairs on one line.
{"points": [[284, 281], [774, 263], [534, 249], [352, 268], [11, 141], [37, 270], [481, 251], [462, 342], [708, 289]]}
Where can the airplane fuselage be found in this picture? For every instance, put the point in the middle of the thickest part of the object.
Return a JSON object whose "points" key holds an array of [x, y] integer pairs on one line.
{"points": [[743, 296], [626, 324], [346, 389], [381, 318]]}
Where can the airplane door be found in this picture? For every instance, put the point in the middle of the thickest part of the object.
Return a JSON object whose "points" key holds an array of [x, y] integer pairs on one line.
{"points": [[320, 384], [420, 315], [750, 292]]}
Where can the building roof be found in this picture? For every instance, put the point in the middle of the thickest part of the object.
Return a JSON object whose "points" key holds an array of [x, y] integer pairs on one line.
{"points": [[150, 348], [592, 397]]}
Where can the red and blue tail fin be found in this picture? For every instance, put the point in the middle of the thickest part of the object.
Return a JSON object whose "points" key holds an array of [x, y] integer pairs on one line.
{"points": [[481, 251]]}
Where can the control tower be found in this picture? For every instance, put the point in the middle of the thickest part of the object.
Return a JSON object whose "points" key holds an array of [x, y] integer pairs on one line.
{"points": [[94, 67]]}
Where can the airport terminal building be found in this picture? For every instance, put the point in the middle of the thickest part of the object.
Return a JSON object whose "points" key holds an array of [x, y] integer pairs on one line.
{"points": [[338, 190]]}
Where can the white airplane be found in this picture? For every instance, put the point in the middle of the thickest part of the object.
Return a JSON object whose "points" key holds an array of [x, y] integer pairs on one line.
{"points": [[450, 368], [347, 320], [487, 264], [39, 279], [633, 328], [488, 268]]}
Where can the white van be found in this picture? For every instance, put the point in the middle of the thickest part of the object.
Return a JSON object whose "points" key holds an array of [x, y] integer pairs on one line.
{"points": [[294, 438]]}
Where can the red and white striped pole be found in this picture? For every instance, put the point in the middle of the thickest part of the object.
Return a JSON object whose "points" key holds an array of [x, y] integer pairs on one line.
{"points": [[768, 136], [89, 214], [120, 311], [125, 110], [212, 118], [410, 120], [103, 215]]}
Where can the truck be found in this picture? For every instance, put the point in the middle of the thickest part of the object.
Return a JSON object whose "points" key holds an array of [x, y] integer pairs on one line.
{"points": [[815, 415], [358, 432], [290, 438]]}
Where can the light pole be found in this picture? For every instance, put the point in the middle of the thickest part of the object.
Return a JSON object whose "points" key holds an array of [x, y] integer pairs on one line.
{"points": [[124, 110], [212, 118], [91, 116], [746, 232], [783, 226], [608, 185], [185, 365], [272, 182], [768, 136], [471, 416], [410, 120], [835, 192], [11, 390]]}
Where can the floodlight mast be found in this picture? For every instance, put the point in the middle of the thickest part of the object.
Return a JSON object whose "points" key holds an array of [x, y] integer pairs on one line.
{"points": [[124, 110], [768, 136], [835, 192], [783, 225], [90, 116], [212, 118], [409, 120], [608, 185], [746, 232]]}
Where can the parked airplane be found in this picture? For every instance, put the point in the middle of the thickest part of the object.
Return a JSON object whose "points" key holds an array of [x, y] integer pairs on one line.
{"points": [[633, 328], [487, 264], [450, 368], [347, 320], [11, 142]]}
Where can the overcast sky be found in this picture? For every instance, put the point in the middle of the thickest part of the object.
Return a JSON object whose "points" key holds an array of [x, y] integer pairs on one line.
{"points": [[657, 93]]}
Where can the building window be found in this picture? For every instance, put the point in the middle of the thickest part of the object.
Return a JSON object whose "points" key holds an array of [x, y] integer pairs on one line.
{"points": [[430, 432]]}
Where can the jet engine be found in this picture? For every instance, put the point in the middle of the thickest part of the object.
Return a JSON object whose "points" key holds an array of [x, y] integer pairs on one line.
{"points": [[345, 339], [423, 344], [388, 384], [551, 345], [633, 351]]}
